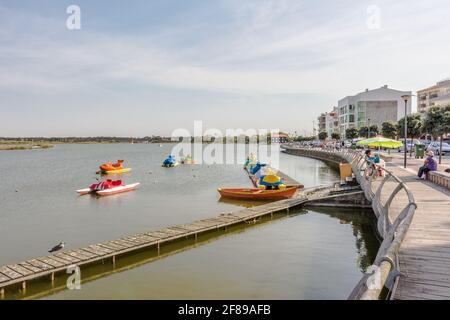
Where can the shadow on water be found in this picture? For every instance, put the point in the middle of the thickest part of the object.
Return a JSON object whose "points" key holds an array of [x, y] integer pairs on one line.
{"points": [[361, 222], [243, 203]]}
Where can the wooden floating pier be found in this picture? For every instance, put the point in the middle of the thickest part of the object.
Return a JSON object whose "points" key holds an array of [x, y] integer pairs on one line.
{"points": [[18, 274]]}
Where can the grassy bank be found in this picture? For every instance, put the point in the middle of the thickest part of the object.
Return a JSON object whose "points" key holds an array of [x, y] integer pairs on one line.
{"points": [[20, 145]]}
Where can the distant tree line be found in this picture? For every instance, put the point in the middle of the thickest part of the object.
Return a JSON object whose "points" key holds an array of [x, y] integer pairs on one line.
{"points": [[100, 139]]}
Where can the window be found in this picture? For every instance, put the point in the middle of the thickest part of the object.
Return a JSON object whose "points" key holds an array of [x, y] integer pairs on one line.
{"points": [[352, 118]]}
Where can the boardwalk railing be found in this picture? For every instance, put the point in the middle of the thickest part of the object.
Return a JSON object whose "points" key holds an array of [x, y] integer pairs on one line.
{"points": [[393, 221]]}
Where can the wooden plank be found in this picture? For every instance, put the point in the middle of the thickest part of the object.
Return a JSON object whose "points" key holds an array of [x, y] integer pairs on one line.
{"points": [[89, 255], [159, 234], [67, 257], [99, 251], [113, 246], [31, 267], [205, 224], [19, 269], [81, 255], [147, 238], [173, 232], [139, 239], [124, 243], [52, 262], [4, 278], [10, 273], [188, 227], [227, 218], [420, 288], [55, 258], [39, 264]]}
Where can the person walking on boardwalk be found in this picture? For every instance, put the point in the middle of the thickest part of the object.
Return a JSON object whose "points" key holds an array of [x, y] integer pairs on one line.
{"points": [[429, 165]]}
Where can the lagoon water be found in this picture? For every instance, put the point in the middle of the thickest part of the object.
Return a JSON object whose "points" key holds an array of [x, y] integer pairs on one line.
{"points": [[313, 254]]}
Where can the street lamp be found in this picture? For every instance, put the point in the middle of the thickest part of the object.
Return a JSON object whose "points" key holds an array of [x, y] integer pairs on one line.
{"points": [[368, 127], [406, 99]]}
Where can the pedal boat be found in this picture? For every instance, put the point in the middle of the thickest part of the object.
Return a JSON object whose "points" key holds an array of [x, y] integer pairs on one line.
{"points": [[258, 194], [108, 187]]}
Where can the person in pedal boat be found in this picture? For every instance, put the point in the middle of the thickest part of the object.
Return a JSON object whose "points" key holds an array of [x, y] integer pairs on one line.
{"points": [[104, 185], [170, 161], [271, 182]]}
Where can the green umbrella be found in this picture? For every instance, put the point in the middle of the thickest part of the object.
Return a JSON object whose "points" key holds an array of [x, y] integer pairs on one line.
{"points": [[380, 142]]}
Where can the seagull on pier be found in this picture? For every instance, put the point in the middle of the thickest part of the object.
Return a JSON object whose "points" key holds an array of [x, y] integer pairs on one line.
{"points": [[57, 247]]}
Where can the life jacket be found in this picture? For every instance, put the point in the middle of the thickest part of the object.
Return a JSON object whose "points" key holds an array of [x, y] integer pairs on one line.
{"points": [[170, 160]]}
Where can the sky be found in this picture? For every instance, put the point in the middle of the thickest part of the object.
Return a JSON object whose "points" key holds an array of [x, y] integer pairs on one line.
{"points": [[148, 67]]}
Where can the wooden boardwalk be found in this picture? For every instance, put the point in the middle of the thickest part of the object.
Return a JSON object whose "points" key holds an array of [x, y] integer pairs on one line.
{"points": [[424, 255]]}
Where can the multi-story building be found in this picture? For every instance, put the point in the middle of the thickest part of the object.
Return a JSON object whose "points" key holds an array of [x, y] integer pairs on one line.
{"points": [[372, 107], [436, 95], [322, 122], [332, 122], [328, 122]]}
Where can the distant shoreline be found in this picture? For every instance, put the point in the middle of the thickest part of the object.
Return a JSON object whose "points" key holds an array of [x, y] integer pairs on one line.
{"points": [[24, 146], [26, 143], [32, 144]]}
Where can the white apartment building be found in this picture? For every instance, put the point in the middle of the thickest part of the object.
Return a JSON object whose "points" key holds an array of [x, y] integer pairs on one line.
{"points": [[332, 122], [329, 122], [436, 95], [372, 107]]}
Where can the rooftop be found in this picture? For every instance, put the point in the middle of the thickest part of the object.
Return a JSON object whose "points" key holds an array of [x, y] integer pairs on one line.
{"points": [[442, 83]]}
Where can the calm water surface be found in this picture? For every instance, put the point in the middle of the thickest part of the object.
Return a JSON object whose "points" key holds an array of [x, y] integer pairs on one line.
{"points": [[312, 254]]}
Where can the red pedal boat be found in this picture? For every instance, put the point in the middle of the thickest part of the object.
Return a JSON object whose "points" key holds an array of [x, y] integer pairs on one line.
{"points": [[258, 194], [108, 187]]}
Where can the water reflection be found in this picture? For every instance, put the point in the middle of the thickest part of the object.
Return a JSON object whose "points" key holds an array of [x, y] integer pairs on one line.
{"points": [[364, 232], [243, 203]]}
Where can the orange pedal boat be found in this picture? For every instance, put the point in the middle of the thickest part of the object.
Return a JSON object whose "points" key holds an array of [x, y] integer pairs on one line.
{"points": [[258, 194], [112, 166]]}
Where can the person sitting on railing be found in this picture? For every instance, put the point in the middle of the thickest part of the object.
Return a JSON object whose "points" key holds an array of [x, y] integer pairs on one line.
{"points": [[371, 163], [429, 165], [380, 165]]}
